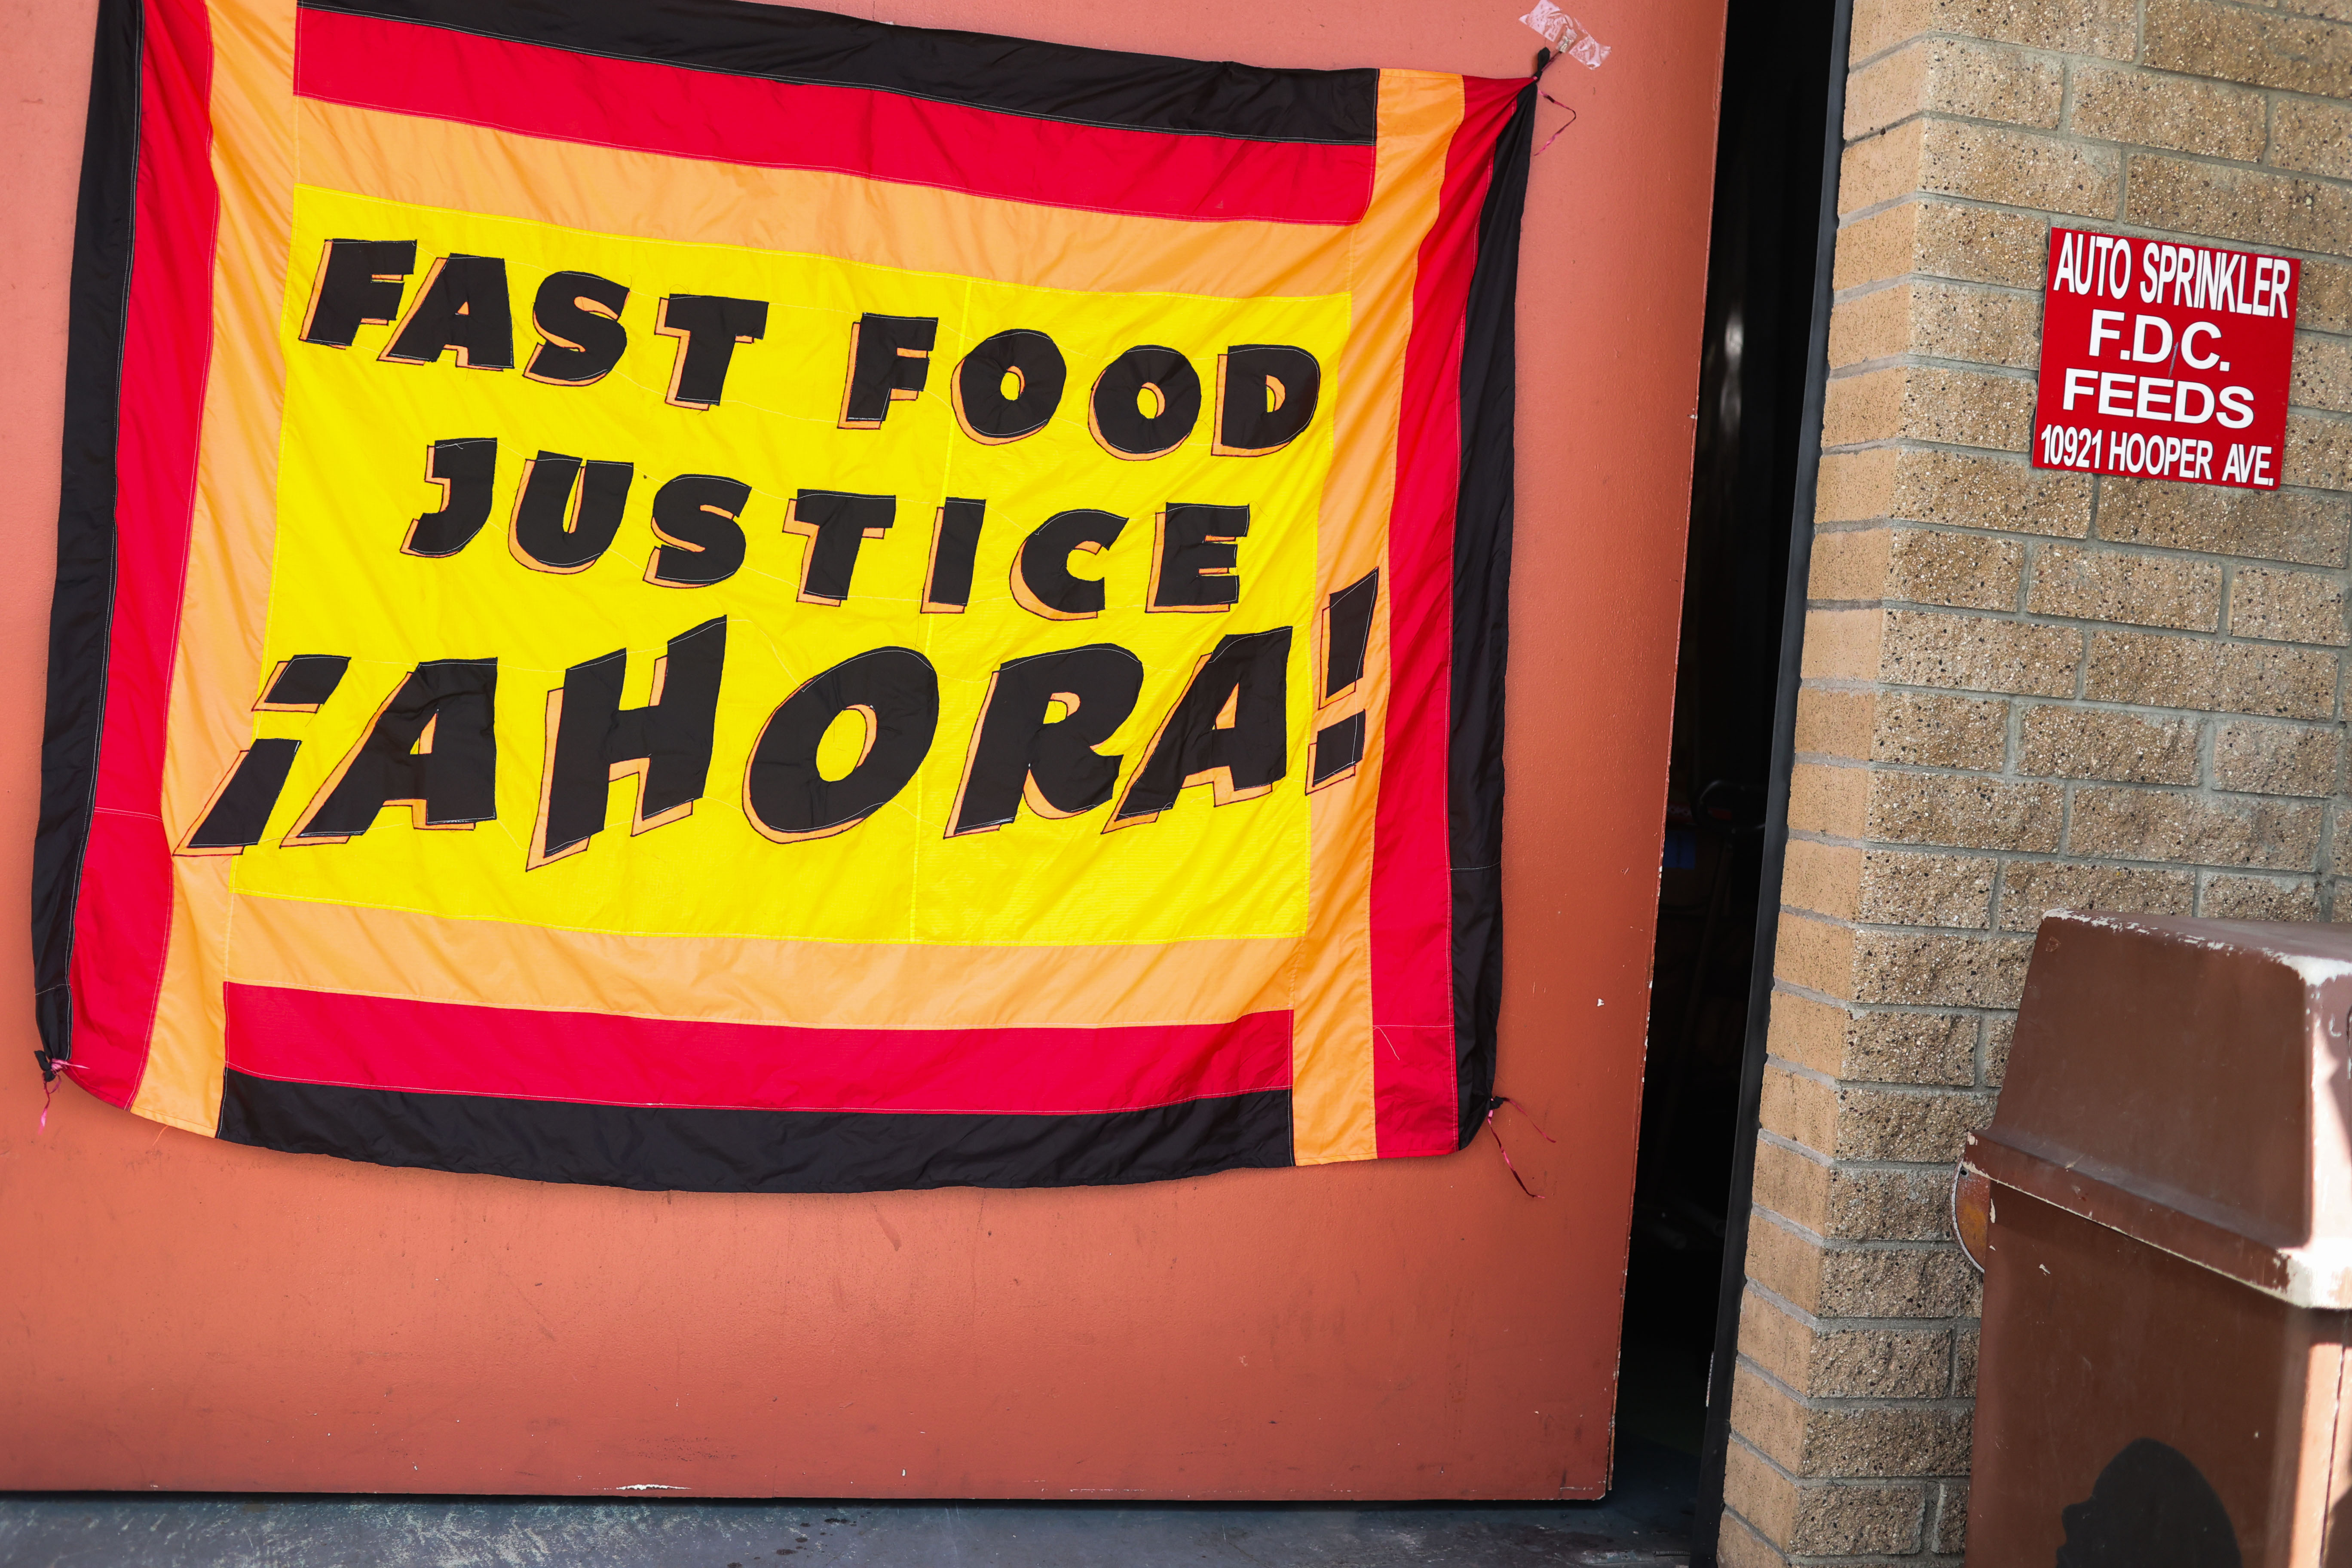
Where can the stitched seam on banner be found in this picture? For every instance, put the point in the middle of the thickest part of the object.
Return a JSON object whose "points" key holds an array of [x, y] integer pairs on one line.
{"points": [[819, 82], [538, 135]]}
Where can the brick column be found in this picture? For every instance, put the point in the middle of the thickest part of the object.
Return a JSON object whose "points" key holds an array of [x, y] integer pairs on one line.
{"points": [[2022, 691]]}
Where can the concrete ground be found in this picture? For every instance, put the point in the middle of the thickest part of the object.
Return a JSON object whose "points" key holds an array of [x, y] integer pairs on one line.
{"points": [[1644, 1523]]}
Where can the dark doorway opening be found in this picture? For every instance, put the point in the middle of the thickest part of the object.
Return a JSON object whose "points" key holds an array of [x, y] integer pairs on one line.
{"points": [[1751, 446]]}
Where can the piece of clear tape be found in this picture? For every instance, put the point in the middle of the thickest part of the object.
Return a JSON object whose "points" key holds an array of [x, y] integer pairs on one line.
{"points": [[1565, 33]]}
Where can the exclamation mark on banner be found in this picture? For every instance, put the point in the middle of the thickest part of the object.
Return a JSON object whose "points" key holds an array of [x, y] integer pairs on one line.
{"points": [[232, 820], [1346, 630]]}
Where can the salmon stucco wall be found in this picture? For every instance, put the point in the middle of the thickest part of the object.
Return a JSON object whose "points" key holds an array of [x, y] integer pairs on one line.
{"points": [[183, 1314]]}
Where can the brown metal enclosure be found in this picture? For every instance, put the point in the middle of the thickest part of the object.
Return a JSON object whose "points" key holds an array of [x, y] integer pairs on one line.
{"points": [[2166, 1280]]}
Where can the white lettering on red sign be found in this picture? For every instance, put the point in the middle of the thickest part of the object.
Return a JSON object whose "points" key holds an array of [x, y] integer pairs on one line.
{"points": [[2165, 361]]}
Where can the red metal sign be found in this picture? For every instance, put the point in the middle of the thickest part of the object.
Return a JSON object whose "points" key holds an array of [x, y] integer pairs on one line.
{"points": [[2165, 361]]}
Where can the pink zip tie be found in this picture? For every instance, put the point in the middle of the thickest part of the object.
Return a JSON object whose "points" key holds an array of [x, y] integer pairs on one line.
{"points": [[1540, 73], [49, 1093], [1496, 1103]]}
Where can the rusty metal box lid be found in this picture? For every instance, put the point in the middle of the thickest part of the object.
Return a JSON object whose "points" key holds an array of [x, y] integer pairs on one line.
{"points": [[2189, 1083]]}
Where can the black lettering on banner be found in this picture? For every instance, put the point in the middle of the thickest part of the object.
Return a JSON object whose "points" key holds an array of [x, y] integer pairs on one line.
{"points": [[359, 285], [594, 743], [463, 305], [1227, 730], [567, 511], [889, 361], [696, 517], [1338, 751], [955, 545], [1266, 394], [466, 468], [237, 814], [1042, 581], [895, 692], [1338, 747], [431, 747], [1020, 753], [835, 523], [579, 315], [1346, 632], [1195, 557], [1145, 375], [302, 684], [707, 326], [1025, 361]]}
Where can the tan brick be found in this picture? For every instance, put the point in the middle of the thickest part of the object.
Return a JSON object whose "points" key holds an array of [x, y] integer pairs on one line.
{"points": [[1842, 645], [1959, 570], [1937, 239], [2334, 10], [1908, 728], [1860, 1281], [1873, 1047], [1834, 724], [1823, 877], [1824, 1518], [1801, 1109], [2315, 138], [1849, 1442], [2228, 203], [1965, 1344], [1927, 402], [2157, 824], [1923, 1126], [2322, 377], [2274, 525], [2318, 447], [2137, 590], [1917, 565], [1922, 648], [1934, 970], [1879, 1203], [2120, 105], [1980, 162], [2277, 759], [1999, 1033], [2287, 607], [1791, 1185], [2093, 744], [1853, 1202], [1856, 486], [1849, 564], [1953, 321], [2031, 889], [1738, 1546], [1898, 889], [2105, 27], [1947, 76], [1832, 801], [1914, 729], [2163, 671], [1762, 1495], [1950, 1531], [2260, 899], [2324, 303], [2234, 43], [1876, 325], [1956, 488], [1816, 953], [1963, 812]]}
